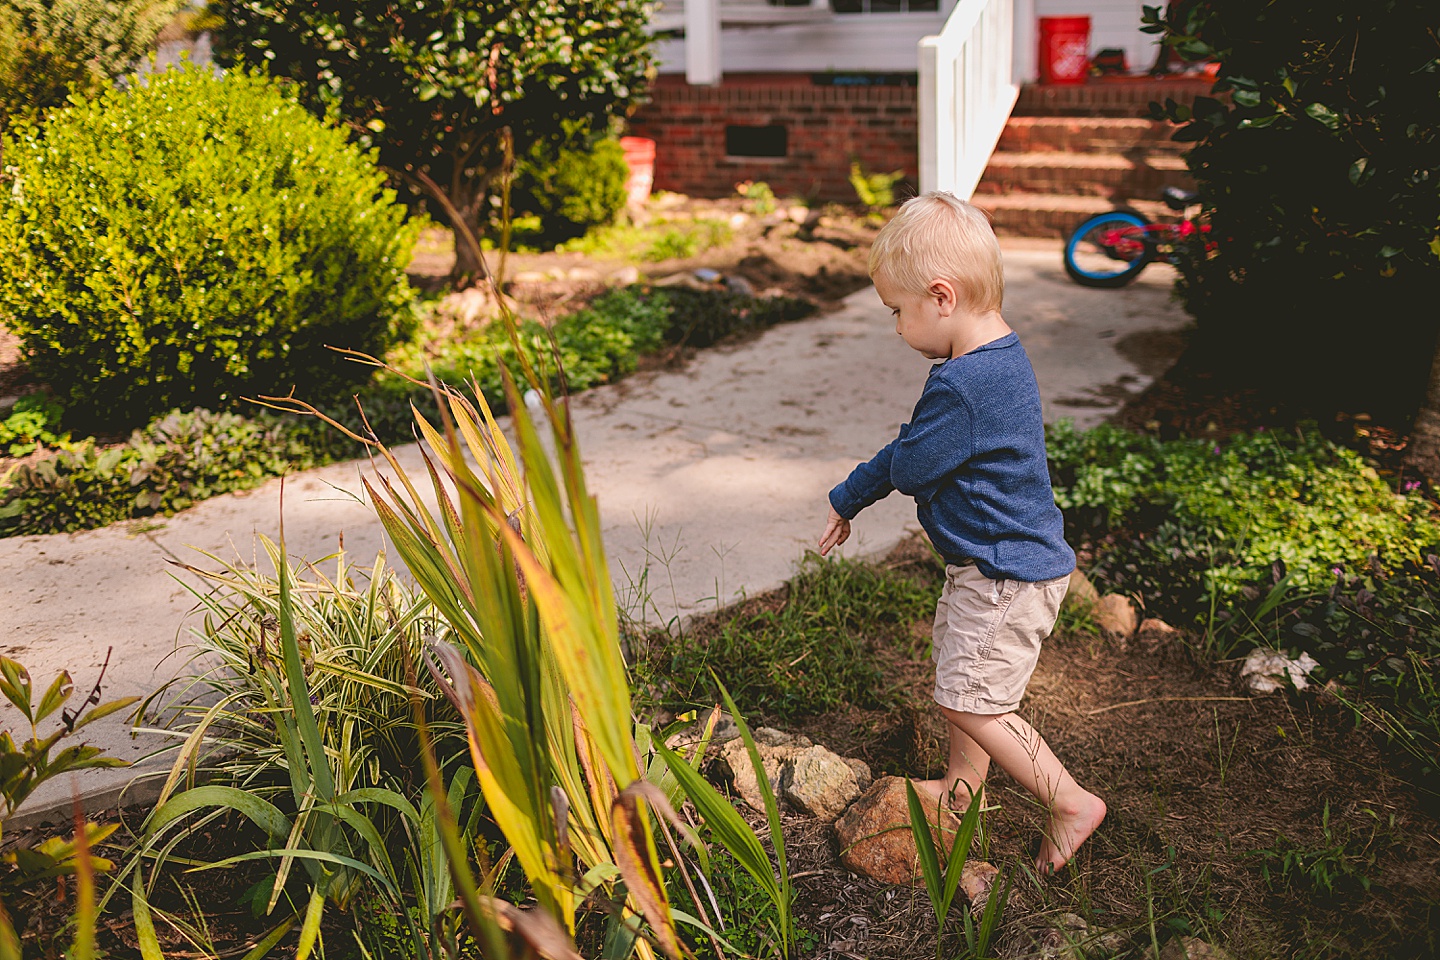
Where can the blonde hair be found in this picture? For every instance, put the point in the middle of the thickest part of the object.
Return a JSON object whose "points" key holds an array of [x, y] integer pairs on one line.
{"points": [[938, 236]]}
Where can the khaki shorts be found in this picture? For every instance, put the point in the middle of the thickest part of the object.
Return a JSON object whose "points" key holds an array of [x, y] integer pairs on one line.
{"points": [[987, 638]]}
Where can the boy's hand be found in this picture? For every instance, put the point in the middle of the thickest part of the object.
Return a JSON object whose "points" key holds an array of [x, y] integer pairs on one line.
{"points": [[837, 531]]}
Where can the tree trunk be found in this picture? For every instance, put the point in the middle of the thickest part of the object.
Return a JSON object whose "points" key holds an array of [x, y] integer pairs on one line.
{"points": [[470, 266], [1424, 453]]}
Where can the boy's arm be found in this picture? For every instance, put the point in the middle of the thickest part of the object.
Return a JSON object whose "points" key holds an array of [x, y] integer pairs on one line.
{"points": [[869, 482], [939, 440]]}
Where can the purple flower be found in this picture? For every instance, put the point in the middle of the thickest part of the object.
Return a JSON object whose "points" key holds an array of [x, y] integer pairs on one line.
{"points": [[1216, 449], [1336, 570], [1411, 485]]}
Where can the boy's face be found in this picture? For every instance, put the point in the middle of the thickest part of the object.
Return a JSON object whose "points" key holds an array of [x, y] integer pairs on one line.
{"points": [[921, 319]]}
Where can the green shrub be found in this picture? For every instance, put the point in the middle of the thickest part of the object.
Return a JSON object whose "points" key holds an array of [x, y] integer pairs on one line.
{"points": [[1243, 504], [572, 187], [193, 239], [1318, 172]]}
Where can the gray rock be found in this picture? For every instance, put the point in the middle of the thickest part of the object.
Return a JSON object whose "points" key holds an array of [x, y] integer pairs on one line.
{"points": [[738, 284], [625, 276], [582, 275], [819, 783], [470, 306], [863, 776], [775, 747]]}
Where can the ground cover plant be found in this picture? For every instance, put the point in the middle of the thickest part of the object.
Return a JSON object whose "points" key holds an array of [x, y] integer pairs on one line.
{"points": [[1279, 539], [182, 458], [1219, 826]]}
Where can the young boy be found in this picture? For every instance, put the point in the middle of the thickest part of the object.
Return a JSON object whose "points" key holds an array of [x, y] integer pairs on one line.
{"points": [[973, 457]]}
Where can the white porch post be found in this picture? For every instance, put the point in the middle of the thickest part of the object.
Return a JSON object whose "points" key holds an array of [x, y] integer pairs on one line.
{"points": [[702, 42], [1026, 43]]}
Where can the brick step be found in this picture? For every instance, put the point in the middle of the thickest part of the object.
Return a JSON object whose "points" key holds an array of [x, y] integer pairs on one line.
{"points": [[1054, 216], [1083, 174], [1110, 97], [1088, 135]]}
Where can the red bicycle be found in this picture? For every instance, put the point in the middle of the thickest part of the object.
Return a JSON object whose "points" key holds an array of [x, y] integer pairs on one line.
{"points": [[1110, 249]]}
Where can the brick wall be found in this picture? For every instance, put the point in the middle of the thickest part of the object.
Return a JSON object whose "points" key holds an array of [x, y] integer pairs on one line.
{"points": [[827, 126]]}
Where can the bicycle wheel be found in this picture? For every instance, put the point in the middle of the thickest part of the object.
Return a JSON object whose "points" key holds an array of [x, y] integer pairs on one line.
{"points": [[1108, 250]]}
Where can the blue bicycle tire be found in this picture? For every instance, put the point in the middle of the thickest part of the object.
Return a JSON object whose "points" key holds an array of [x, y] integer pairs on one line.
{"points": [[1088, 275]]}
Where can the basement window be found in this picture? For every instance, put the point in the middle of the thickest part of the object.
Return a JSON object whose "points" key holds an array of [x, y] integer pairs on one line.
{"points": [[768, 142], [885, 6]]}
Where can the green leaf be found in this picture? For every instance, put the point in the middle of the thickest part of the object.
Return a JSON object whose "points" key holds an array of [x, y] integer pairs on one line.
{"points": [[1324, 115], [258, 810], [1358, 170], [59, 691]]}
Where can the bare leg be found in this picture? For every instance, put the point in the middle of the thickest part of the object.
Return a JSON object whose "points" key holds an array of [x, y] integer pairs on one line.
{"points": [[965, 771], [1024, 755]]}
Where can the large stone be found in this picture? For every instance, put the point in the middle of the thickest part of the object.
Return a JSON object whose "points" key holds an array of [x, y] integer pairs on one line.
{"points": [[875, 839], [819, 783], [1266, 671], [775, 747], [1192, 948], [1116, 617], [1082, 592]]}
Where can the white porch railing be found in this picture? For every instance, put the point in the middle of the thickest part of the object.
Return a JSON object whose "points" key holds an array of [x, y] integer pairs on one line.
{"points": [[967, 89]]}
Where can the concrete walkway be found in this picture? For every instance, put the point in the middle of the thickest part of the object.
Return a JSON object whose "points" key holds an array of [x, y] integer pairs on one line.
{"points": [[715, 477]]}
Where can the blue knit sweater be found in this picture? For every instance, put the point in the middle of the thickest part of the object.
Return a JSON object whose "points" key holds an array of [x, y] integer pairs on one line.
{"points": [[973, 457]]}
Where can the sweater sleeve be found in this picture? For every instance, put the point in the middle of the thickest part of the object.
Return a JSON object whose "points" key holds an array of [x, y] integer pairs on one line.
{"points": [[868, 483], [939, 440]]}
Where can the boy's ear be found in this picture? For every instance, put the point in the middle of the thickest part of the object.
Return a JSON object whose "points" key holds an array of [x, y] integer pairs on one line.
{"points": [[946, 298]]}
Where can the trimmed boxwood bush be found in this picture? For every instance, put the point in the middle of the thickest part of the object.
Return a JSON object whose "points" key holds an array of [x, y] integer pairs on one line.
{"points": [[571, 187], [192, 239]]}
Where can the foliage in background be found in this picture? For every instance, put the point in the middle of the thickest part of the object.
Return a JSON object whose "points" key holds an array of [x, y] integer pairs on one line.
{"points": [[432, 86], [876, 191], [759, 196], [50, 49], [660, 239], [813, 653], [1318, 164], [33, 422], [183, 458], [1274, 539], [225, 241], [570, 185]]}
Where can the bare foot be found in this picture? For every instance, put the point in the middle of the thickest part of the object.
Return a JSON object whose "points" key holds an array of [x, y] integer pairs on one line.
{"points": [[1071, 824], [953, 794]]}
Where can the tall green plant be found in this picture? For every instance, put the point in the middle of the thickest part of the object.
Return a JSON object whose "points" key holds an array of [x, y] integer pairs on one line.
{"points": [[513, 561], [335, 792], [943, 881]]}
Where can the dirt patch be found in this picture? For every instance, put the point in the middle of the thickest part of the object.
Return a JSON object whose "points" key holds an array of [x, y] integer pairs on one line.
{"points": [[820, 256], [1208, 792]]}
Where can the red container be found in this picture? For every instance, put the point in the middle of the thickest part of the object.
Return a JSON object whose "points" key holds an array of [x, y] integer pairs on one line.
{"points": [[640, 158], [1064, 49]]}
